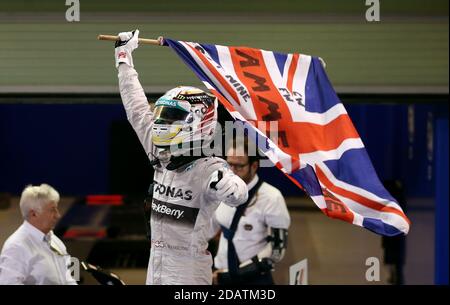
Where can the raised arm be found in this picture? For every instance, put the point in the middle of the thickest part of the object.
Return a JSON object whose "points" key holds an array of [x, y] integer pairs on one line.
{"points": [[138, 110]]}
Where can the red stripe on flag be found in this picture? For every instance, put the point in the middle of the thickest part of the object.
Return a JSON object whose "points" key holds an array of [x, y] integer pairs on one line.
{"points": [[216, 74], [223, 100], [346, 216], [267, 101], [291, 72], [371, 204], [265, 89], [278, 165], [336, 208], [293, 137], [295, 164], [316, 137]]}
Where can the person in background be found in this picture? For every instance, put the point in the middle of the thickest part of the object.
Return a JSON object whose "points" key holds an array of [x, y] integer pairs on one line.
{"points": [[33, 255], [254, 235]]}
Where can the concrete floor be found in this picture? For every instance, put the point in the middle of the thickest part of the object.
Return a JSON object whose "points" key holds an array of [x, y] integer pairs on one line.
{"points": [[336, 251]]}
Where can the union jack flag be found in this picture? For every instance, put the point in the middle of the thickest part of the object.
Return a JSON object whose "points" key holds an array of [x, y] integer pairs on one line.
{"points": [[318, 147]]}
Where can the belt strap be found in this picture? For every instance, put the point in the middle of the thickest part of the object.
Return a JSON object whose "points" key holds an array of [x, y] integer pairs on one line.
{"points": [[233, 260]]}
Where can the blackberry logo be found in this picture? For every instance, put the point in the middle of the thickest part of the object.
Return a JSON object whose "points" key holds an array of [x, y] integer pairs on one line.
{"points": [[163, 209], [173, 213]]}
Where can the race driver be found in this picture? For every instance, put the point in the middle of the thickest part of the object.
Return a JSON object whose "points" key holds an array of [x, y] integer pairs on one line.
{"points": [[186, 189]]}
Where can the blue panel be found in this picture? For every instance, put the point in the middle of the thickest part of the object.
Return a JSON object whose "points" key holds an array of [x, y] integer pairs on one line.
{"points": [[442, 202], [66, 146]]}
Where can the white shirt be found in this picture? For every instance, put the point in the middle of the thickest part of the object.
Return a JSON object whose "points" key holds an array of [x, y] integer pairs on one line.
{"points": [[27, 258], [267, 209]]}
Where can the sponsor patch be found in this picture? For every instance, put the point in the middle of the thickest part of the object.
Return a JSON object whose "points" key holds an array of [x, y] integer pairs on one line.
{"points": [[173, 213]]}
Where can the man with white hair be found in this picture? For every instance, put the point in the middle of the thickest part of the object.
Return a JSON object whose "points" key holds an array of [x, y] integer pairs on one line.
{"points": [[33, 255]]}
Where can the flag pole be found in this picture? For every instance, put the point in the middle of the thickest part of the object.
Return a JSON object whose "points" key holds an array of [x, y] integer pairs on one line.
{"points": [[159, 42], [155, 42]]}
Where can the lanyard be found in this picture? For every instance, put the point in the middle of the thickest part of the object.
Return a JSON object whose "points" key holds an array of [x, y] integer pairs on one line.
{"points": [[233, 260]]}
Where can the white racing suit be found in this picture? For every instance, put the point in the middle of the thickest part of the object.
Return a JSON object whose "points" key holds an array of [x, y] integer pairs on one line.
{"points": [[183, 203]]}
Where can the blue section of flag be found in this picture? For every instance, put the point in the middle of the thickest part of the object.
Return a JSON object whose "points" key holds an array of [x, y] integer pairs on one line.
{"points": [[308, 179], [351, 167], [179, 49], [319, 93], [280, 59], [380, 227], [354, 167], [212, 51]]}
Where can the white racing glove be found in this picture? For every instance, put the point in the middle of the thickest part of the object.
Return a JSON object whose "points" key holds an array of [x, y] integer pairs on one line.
{"points": [[228, 188], [125, 46]]}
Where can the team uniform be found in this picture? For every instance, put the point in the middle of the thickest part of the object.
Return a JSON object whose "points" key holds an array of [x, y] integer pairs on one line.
{"points": [[265, 212], [183, 200]]}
